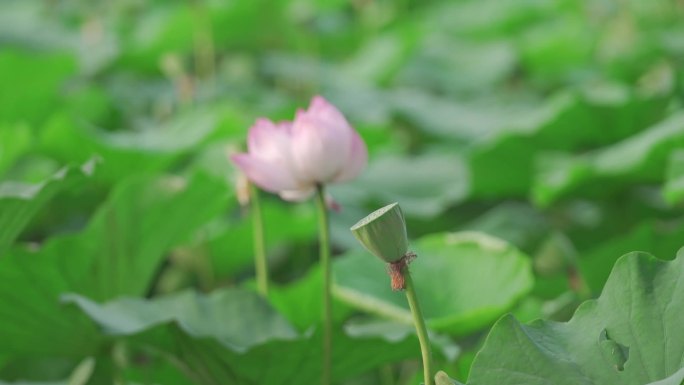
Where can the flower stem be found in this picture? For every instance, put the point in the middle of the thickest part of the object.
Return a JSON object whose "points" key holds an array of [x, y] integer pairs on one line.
{"points": [[421, 330], [260, 265], [324, 241]]}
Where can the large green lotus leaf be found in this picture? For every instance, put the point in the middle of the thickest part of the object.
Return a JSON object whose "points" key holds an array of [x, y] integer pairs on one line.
{"points": [[443, 346], [632, 335], [489, 18], [79, 375], [298, 361], [154, 370], [19, 202], [650, 236], [514, 134], [152, 148], [425, 185], [118, 253], [464, 281], [171, 27], [128, 236], [382, 55], [24, 25], [553, 51], [141, 367], [674, 185], [465, 122], [515, 222], [16, 139], [301, 303], [35, 82], [233, 336], [675, 379], [568, 121], [639, 158], [464, 68], [236, 319], [230, 248], [442, 378], [166, 28]]}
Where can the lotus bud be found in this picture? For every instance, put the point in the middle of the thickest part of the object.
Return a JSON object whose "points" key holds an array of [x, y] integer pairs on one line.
{"points": [[242, 189], [292, 158], [442, 378], [383, 233]]}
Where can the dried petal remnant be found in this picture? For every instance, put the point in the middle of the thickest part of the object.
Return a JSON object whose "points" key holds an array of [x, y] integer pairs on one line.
{"points": [[396, 271]]}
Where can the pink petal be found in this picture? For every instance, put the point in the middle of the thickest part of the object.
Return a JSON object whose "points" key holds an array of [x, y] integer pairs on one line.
{"points": [[356, 161], [268, 140], [271, 177], [297, 195], [325, 111], [321, 141], [332, 203]]}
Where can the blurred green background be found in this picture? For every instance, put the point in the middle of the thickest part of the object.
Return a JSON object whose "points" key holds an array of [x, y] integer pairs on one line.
{"points": [[556, 126]]}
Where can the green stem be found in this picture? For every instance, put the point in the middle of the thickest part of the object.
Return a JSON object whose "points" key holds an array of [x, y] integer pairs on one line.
{"points": [[260, 265], [421, 330], [324, 241]]}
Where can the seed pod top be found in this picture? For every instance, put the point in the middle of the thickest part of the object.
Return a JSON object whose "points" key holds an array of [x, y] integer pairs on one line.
{"points": [[383, 233]]}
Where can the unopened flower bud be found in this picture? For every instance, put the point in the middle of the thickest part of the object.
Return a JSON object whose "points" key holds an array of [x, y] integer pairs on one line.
{"points": [[292, 158], [442, 378], [383, 233], [242, 189]]}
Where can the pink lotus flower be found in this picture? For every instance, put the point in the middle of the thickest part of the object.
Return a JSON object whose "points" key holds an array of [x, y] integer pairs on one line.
{"points": [[290, 159]]}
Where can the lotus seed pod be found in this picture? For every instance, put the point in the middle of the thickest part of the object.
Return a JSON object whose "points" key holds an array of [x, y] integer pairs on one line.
{"points": [[383, 233]]}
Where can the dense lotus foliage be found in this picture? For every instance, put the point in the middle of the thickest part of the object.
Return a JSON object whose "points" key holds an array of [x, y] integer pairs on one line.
{"points": [[535, 147]]}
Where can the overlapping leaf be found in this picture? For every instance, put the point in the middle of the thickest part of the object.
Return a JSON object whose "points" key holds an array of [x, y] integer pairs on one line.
{"points": [[233, 335], [127, 152], [425, 185], [639, 158], [674, 185], [566, 122], [464, 281], [19, 202], [630, 335], [117, 254]]}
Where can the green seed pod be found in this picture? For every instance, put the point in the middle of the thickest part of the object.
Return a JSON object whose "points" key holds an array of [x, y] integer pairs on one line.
{"points": [[383, 233]]}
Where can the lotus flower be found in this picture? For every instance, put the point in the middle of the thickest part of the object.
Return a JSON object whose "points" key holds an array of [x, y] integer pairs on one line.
{"points": [[291, 159]]}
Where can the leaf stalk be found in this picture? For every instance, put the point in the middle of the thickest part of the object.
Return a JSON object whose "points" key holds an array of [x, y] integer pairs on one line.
{"points": [[260, 262], [421, 329], [324, 243]]}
